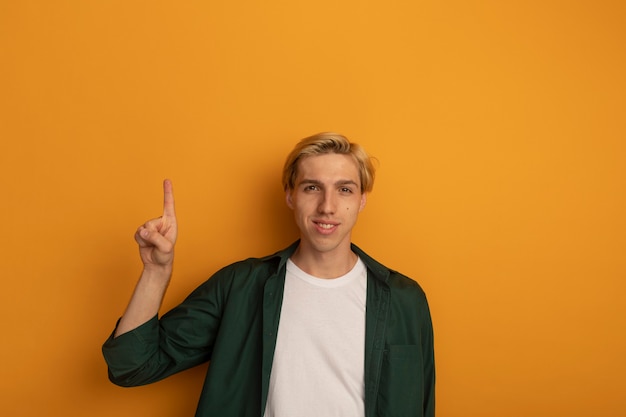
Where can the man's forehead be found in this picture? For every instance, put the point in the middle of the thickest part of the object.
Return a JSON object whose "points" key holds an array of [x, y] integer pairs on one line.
{"points": [[335, 167]]}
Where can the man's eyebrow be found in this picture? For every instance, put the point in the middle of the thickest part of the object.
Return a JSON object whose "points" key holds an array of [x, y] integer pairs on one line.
{"points": [[318, 182], [309, 181], [346, 182]]}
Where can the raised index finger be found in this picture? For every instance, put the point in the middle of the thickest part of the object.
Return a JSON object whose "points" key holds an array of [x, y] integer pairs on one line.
{"points": [[168, 199]]}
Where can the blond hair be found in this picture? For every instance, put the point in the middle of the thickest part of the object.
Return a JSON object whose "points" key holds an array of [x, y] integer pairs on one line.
{"points": [[325, 143]]}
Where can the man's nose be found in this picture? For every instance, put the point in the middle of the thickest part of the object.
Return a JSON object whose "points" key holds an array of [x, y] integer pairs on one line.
{"points": [[327, 203]]}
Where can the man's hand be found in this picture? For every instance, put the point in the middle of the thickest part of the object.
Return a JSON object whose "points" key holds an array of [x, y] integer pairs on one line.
{"points": [[157, 237]]}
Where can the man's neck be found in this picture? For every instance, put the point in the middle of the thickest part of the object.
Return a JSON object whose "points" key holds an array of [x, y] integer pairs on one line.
{"points": [[328, 265]]}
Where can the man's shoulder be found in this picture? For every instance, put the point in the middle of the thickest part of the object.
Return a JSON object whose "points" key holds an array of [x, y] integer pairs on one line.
{"points": [[396, 281], [255, 265], [400, 282]]}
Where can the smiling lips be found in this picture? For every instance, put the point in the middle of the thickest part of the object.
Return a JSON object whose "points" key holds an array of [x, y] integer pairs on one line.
{"points": [[325, 228]]}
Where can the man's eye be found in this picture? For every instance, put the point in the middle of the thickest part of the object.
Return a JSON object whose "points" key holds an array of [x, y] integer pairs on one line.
{"points": [[310, 188], [346, 190]]}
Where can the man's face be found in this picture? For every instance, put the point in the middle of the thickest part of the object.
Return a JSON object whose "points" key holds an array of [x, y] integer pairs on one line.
{"points": [[326, 200]]}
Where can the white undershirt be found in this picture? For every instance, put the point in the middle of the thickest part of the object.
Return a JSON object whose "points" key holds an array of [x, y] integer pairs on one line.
{"points": [[318, 367]]}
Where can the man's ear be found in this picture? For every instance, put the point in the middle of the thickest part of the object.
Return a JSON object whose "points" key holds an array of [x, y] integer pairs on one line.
{"points": [[363, 201], [288, 198]]}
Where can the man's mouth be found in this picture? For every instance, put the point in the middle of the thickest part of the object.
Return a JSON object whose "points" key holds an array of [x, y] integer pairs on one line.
{"points": [[325, 228]]}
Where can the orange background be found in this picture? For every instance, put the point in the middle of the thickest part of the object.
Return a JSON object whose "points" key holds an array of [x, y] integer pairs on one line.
{"points": [[499, 127]]}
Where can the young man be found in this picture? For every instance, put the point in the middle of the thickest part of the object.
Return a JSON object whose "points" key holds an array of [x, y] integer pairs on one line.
{"points": [[318, 329]]}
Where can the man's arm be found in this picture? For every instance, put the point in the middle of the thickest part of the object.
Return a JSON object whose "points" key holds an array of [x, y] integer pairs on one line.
{"points": [[156, 239]]}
